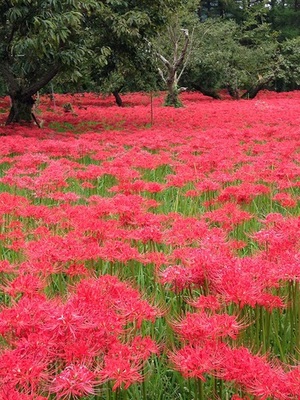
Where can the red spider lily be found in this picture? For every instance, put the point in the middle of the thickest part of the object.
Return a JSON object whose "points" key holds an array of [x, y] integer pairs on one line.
{"points": [[119, 367], [142, 347], [21, 369], [185, 231], [285, 199], [116, 296], [196, 362], [228, 215], [198, 327], [73, 381], [210, 302], [6, 267], [243, 193], [70, 336], [207, 185], [233, 282], [70, 222], [27, 284], [256, 374], [293, 379], [181, 277], [7, 392], [26, 316]]}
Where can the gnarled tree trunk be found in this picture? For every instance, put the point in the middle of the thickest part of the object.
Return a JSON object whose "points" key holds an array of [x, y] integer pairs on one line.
{"points": [[233, 92], [22, 100], [207, 92], [254, 90], [21, 109]]}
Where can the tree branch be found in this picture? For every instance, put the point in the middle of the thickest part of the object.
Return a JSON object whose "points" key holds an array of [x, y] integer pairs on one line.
{"points": [[164, 60], [35, 87], [184, 50], [187, 58], [162, 75]]}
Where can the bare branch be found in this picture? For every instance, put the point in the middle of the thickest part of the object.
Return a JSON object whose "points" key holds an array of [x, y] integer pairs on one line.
{"points": [[189, 52], [164, 60], [184, 50], [162, 75], [160, 56]]}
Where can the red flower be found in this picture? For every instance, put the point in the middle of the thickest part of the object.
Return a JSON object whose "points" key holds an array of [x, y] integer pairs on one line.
{"points": [[195, 362], [199, 327], [73, 381]]}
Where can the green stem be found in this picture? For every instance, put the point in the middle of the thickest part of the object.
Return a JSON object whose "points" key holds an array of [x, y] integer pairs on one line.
{"points": [[200, 389], [144, 391], [278, 338], [266, 330], [108, 391], [257, 330]]}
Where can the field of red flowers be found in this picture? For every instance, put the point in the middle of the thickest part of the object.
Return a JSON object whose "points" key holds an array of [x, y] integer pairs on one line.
{"points": [[149, 252]]}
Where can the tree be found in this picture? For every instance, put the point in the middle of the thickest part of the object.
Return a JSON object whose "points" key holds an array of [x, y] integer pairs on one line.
{"points": [[173, 49], [284, 15], [174, 67], [288, 76], [129, 67], [43, 39], [125, 27], [240, 58], [38, 40]]}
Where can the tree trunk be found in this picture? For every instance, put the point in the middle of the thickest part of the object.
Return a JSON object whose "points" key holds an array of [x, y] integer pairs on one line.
{"points": [[172, 99], [253, 91], [207, 92], [118, 98], [22, 97], [21, 109], [233, 92]]}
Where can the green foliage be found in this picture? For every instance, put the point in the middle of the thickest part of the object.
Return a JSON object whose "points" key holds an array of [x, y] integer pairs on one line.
{"points": [[129, 69], [103, 45], [283, 16], [43, 39], [286, 20], [36, 36], [228, 55], [124, 26], [288, 76]]}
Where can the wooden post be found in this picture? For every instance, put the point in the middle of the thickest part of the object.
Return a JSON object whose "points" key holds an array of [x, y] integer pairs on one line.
{"points": [[151, 108]]}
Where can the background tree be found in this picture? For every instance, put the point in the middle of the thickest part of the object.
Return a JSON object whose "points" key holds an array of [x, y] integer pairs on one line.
{"points": [[288, 76], [242, 58], [284, 16], [129, 68], [172, 49], [123, 27], [103, 45], [173, 67]]}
